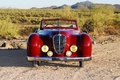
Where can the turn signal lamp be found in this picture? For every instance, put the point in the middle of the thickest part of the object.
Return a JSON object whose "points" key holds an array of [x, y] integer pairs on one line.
{"points": [[68, 53], [50, 53]]}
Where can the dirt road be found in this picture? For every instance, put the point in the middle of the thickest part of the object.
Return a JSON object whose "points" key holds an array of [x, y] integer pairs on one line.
{"points": [[105, 65]]}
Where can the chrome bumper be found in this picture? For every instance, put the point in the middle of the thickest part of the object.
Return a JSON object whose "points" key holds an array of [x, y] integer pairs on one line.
{"points": [[58, 58]]}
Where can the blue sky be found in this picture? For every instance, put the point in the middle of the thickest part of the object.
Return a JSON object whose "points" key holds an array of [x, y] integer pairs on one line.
{"points": [[46, 3]]}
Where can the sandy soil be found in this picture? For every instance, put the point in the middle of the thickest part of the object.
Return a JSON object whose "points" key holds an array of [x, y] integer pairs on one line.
{"points": [[105, 65]]}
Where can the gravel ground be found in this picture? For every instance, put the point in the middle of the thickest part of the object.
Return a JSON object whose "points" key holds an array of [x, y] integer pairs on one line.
{"points": [[105, 65]]}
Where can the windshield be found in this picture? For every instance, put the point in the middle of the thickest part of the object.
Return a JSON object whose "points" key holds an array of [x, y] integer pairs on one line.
{"points": [[59, 23]]}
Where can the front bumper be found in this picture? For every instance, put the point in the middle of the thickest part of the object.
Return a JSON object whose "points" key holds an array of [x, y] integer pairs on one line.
{"points": [[58, 58]]}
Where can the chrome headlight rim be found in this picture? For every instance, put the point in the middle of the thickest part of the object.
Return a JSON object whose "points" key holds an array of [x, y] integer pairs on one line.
{"points": [[73, 48], [44, 48]]}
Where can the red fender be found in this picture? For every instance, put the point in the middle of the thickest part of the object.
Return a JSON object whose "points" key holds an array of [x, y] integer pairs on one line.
{"points": [[34, 45], [87, 45]]}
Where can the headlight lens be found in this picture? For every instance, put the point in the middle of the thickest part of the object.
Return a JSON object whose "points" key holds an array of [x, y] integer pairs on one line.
{"points": [[68, 53], [50, 53], [73, 48], [45, 48]]}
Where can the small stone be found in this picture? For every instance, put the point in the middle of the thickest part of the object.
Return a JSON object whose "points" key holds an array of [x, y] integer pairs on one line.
{"points": [[102, 43], [23, 46], [94, 42], [3, 45], [105, 42], [118, 78]]}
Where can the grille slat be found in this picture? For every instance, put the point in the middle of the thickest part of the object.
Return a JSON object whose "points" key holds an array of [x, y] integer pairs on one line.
{"points": [[59, 41]]}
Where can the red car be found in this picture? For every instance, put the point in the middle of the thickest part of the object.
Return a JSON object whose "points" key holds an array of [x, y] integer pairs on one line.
{"points": [[59, 40]]}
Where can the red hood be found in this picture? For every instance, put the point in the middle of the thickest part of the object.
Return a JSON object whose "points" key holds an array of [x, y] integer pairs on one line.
{"points": [[47, 37]]}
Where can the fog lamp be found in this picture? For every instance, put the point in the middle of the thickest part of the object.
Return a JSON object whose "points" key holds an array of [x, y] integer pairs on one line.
{"points": [[73, 48], [68, 53], [50, 53], [45, 48]]}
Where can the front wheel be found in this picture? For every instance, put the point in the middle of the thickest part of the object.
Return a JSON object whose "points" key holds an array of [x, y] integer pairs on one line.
{"points": [[81, 63], [35, 63]]}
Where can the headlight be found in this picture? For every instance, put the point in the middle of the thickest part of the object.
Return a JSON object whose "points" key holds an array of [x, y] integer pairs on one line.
{"points": [[45, 48], [73, 48], [50, 53], [68, 53]]}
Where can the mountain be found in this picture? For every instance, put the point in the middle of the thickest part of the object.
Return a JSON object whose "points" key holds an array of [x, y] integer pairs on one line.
{"points": [[51, 7], [78, 5], [63, 6], [82, 5], [117, 6]]}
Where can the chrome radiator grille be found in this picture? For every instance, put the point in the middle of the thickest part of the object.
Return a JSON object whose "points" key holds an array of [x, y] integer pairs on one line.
{"points": [[59, 41]]}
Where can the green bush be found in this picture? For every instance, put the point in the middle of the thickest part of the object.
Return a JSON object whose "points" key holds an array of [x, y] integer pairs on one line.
{"points": [[26, 31], [117, 19], [8, 29]]}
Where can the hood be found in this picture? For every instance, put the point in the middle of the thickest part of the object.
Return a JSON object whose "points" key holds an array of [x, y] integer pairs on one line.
{"points": [[47, 37]]}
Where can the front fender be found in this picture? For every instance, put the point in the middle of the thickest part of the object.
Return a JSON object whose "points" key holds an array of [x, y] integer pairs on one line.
{"points": [[34, 45], [85, 45]]}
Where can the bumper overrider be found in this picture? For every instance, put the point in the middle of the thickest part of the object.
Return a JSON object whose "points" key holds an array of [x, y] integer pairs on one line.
{"points": [[58, 58]]}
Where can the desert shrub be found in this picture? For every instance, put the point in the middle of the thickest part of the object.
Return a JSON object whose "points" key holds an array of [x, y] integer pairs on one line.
{"points": [[101, 18], [88, 26], [8, 29], [26, 31], [117, 19], [111, 30]]}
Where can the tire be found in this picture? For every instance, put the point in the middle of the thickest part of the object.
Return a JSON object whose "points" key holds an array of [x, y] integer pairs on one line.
{"points": [[35, 63], [81, 64]]}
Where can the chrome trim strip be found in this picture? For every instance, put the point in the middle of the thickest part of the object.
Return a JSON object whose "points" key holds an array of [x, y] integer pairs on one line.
{"points": [[59, 42], [58, 58]]}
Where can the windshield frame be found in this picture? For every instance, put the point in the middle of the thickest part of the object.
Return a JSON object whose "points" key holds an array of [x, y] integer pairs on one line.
{"points": [[58, 26]]}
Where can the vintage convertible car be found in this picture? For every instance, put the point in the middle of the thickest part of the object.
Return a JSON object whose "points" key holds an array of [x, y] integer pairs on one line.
{"points": [[59, 40]]}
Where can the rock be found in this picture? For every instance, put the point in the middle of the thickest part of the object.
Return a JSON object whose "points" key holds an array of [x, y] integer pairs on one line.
{"points": [[102, 42], [23, 46], [3, 45], [14, 44], [105, 42], [94, 42], [118, 78], [6, 45]]}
